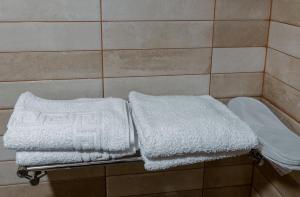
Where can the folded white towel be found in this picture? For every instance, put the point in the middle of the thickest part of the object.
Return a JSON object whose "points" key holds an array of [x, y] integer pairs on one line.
{"points": [[173, 126], [165, 163], [99, 124], [46, 158]]}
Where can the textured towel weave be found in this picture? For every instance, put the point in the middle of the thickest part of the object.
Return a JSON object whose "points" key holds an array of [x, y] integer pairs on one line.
{"points": [[176, 126]]}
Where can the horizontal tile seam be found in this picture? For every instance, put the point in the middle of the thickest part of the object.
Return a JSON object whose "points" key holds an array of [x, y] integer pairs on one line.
{"points": [[45, 80], [51, 51], [155, 76], [280, 109], [237, 165], [285, 83], [284, 53], [184, 190], [284, 22], [236, 73], [225, 165], [158, 75], [128, 49], [200, 168], [180, 20], [52, 79], [120, 20], [5, 109], [232, 73], [227, 186]]}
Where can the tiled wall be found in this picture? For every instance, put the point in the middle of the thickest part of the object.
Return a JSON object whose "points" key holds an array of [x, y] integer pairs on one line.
{"points": [[281, 91], [64, 49]]}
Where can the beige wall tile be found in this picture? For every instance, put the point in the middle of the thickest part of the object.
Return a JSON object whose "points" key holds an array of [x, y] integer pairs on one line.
{"points": [[50, 65], [291, 123], [124, 63], [242, 9], [245, 159], [284, 184], [286, 11], [158, 10], [254, 193], [263, 187], [284, 67], [240, 33], [92, 187], [283, 96], [230, 60], [4, 117], [240, 191], [190, 193], [5, 154], [8, 176], [238, 84], [76, 173], [285, 38], [55, 10], [138, 168], [154, 182], [52, 89], [227, 176], [160, 85], [32, 36], [162, 34]]}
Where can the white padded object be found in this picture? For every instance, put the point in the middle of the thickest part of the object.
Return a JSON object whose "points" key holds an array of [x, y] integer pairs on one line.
{"points": [[277, 142]]}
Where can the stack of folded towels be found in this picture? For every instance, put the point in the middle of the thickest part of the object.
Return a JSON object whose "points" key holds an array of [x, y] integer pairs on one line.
{"points": [[178, 130], [56, 131]]}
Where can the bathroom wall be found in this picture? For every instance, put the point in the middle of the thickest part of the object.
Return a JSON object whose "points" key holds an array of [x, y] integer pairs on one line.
{"points": [[281, 91], [64, 49]]}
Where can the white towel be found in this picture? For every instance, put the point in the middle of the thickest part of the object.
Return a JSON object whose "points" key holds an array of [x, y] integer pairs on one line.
{"points": [[100, 125], [165, 163], [197, 127], [46, 158]]}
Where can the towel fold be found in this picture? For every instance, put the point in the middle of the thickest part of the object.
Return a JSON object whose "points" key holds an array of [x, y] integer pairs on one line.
{"points": [[45, 158], [99, 125], [176, 130], [165, 163]]}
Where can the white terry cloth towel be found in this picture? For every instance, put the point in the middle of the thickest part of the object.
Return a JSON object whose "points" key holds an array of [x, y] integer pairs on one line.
{"points": [[95, 124], [277, 142], [165, 163], [47, 158], [198, 126]]}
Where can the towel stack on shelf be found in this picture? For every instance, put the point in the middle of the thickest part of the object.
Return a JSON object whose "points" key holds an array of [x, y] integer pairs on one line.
{"points": [[48, 131], [178, 130]]}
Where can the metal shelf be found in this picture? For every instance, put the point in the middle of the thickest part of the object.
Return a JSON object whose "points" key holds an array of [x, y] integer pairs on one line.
{"points": [[35, 173]]}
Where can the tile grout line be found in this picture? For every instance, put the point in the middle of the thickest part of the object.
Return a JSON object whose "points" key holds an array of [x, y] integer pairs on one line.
{"points": [[212, 48], [101, 44], [286, 23], [267, 46], [210, 81], [125, 21], [292, 56], [122, 49], [122, 77]]}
